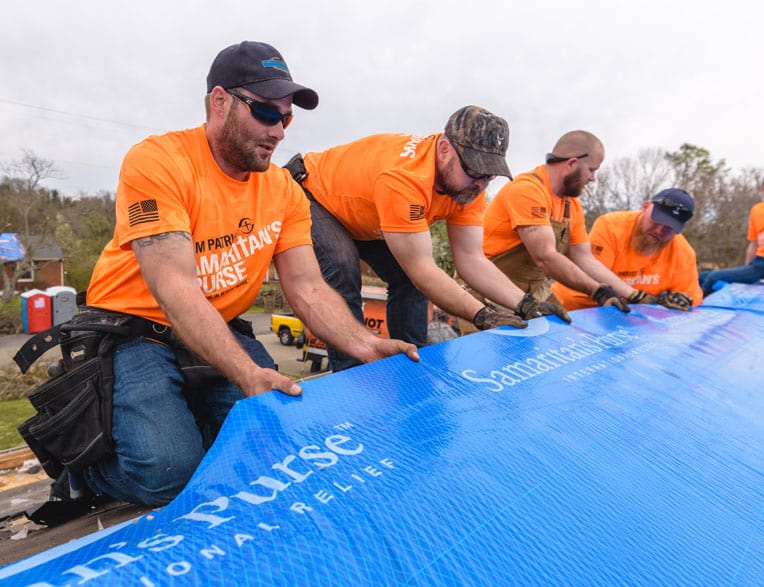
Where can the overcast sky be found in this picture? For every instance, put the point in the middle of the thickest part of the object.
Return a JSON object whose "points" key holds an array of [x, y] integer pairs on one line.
{"points": [[82, 81]]}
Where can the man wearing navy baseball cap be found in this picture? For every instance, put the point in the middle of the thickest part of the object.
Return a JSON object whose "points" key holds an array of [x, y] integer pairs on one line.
{"points": [[260, 69], [646, 250], [201, 214]]}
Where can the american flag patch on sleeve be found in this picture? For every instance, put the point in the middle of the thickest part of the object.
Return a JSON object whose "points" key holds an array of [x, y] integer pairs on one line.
{"points": [[142, 212], [538, 211], [416, 212]]}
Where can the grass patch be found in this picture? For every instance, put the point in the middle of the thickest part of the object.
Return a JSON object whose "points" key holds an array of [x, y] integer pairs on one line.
{"points": [[14, 385], [10, 316], [14, 405], [14, 412]]}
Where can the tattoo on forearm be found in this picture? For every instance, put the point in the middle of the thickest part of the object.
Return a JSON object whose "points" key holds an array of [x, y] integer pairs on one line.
{"points": [[154, 238]]}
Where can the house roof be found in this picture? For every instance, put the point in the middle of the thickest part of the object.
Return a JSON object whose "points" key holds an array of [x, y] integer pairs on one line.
{"points": [[48, 253]]}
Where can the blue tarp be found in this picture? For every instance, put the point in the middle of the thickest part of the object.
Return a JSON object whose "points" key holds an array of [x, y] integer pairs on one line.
{"points": [[621, 449], [11, 248]]}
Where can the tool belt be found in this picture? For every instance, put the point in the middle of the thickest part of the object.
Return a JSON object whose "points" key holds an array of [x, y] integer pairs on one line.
{"points": [[72, 427]]}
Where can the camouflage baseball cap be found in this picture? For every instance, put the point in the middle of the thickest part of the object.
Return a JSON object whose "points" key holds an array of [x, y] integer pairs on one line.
{"points": [[481, 139]]}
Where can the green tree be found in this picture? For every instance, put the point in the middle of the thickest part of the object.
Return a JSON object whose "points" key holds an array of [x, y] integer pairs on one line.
{"points": [[84, 228], [626, 183], [441, 246], [715, 229]]}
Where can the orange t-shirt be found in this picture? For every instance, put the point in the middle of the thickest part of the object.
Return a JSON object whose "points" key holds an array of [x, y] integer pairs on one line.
{"points": [[385, 183], [527, 201], [172, 183], [672, 269], [756, 228]]}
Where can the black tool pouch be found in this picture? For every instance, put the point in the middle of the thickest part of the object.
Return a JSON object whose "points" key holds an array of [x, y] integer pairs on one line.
{"points": [[72, 426], [198, 375]]}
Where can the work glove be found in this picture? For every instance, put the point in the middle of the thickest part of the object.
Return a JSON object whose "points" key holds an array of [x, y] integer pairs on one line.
{"points": [[490, 317], [530, 308], [605, 295], [642, 297], [675, 300]]}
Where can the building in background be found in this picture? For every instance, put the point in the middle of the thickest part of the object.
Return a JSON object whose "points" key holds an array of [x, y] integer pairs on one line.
{"points": [[47, 268]]}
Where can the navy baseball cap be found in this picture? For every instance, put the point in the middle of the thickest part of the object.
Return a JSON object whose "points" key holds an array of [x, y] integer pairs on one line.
{"points": [[672, 207], [259, 68]]}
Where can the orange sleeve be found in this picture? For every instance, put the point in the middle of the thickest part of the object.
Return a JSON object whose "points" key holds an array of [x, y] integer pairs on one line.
{"points": [[527, 204], [148, 200], [401, 203], [521, 202], [756, 228]]}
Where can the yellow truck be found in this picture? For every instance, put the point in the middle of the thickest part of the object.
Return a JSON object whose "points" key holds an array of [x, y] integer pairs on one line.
{"points": [[287, 327]]}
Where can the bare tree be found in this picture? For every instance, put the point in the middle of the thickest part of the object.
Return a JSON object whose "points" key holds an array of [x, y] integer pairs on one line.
{"points": [[627, 182], [27, 211]]}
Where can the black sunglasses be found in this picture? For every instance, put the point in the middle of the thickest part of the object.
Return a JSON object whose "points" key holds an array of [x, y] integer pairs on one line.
{"points": [[552, 158], [678, 209], [263, 113], [470, 172]]}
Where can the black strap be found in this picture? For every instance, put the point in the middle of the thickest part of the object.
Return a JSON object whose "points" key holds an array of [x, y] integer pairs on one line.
{"points": [[153, 330], [36, 346], [128, 327], [296, 168], [134, 327]]}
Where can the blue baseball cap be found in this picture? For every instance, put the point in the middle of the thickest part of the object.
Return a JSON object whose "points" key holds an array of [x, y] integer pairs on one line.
{"points": [[672, 207]]}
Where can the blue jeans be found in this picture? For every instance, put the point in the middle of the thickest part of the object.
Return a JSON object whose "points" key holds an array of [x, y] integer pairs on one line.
{"points": [[339, 258], [158, 440], [750, 273]]}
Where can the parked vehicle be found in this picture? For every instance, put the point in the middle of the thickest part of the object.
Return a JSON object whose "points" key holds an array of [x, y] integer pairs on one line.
{"points": [[374, 318], [442, 327], [287, 327]]}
